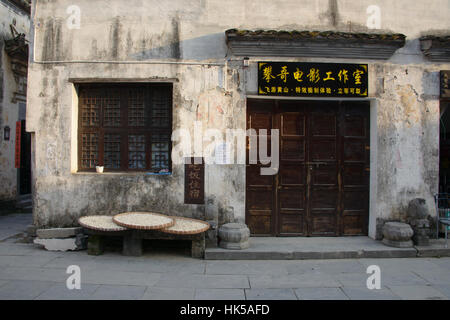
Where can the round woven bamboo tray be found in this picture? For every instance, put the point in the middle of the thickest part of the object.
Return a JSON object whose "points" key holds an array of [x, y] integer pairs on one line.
{"points": [[186, 226], [100, 223], [143, 220]]}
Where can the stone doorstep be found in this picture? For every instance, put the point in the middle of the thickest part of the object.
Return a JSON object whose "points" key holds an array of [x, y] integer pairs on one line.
{"points": [[214, 254], [223, 254], [425, 252], [58, 233], [434, 250]]}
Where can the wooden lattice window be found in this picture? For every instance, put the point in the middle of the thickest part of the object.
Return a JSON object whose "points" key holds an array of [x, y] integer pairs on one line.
{"points": [[125, 127]]}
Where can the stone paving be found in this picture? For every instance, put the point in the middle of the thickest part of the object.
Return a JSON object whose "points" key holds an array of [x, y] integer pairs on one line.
{"points": [[13, 224], [29, 272]]}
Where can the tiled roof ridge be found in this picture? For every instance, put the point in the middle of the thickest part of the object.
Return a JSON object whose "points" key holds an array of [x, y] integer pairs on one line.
{"points": [[317, 35], [445, 38]]}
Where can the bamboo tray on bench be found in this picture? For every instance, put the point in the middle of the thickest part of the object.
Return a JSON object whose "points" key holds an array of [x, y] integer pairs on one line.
{"points": [[100, 223], [143, 220], [186, 226]]}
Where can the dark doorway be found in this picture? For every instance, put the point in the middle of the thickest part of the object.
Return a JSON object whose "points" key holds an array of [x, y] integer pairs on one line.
{"points": [[25, 161], [322, 185], [444, 152]]}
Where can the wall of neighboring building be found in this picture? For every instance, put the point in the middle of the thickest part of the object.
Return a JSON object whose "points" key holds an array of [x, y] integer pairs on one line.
{"points": [[184, 43], [9, 109]]}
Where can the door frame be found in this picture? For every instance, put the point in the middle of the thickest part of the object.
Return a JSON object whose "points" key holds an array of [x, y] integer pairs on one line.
{"points": [[373, 155]]}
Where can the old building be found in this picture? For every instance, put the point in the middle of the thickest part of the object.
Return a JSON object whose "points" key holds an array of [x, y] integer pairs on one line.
{"points": [[353, 88], [15, 143]]}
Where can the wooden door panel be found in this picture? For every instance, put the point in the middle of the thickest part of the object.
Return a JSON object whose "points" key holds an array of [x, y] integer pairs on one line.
{"points": [[323, 170], [354, 150], [260, 121], [260, 225], [323, 224], [355, 168], [353, 225], [323, 125], [324, 174], [292, 149], [355, 200], [291, 182], [354, 174], [322, 186], [291, 199], [324, 198], [260, 210], [292, 124], [291, 224], [260, 207], [292, 174], [260, 199], [323, 149], [354, 126], [255, 179]]}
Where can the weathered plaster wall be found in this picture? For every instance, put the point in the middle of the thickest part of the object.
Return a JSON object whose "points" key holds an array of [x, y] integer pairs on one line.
{"points": [[9, 111], [160, 34], [62, 194], [405, 159]]}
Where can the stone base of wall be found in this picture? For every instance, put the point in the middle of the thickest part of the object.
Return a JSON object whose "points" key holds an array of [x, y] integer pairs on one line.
{"points": [[381, 222]]}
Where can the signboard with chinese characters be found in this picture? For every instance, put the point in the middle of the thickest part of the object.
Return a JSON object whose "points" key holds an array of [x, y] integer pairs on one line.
{"points": [[445, 84], [194, 181], [307, 79]]}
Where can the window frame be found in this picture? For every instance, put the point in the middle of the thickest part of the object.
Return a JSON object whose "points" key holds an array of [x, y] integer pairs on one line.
{"points": [[124, 130]]}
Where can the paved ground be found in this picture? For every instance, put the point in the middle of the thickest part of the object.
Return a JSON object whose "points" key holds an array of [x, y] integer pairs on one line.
{"points": [[28, 272], [13, 224], [301, 248]]}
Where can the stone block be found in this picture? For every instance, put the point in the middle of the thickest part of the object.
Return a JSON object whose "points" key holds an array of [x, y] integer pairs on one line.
{"points": [[417, 209], [421, 228], [420, 223], [68, 244], [198, 247], [397, 234], [398, 244], [211, 235], [211, 238], [59, 233], [421, 240], [31, 230], [132, 245], [234, 236], [96, 245], [81, 241]]}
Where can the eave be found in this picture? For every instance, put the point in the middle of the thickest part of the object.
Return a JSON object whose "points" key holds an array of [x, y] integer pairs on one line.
{"points": [[327, 44]]}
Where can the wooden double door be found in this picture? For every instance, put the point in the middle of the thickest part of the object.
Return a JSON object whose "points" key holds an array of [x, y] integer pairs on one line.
{"points": [[322, 184]]}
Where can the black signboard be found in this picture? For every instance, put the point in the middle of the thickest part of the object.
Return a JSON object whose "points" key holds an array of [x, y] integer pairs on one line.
{"points": [[445, 84], [307, 79]]}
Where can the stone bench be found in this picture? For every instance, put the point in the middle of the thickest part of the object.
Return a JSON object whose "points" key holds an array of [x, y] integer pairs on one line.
{"points": [[133, 241]]}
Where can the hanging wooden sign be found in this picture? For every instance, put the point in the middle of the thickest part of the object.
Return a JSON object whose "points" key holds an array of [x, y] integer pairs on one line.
{"points": [[445, 84], [18, 143], [194, 181]]}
